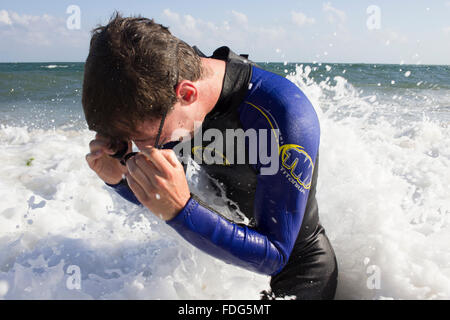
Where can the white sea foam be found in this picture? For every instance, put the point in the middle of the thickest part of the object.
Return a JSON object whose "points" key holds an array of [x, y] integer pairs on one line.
{"points": [[53, 66], [383, 194], [56, 213], [382, 191]]}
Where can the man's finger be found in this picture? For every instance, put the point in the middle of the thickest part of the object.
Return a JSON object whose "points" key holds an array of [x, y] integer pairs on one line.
{"points": [[170, 156], [138, 191], [98, 136], [91, 157], [149, 169], [156, 178], [157, 158], [95, 145], [138, 174]]}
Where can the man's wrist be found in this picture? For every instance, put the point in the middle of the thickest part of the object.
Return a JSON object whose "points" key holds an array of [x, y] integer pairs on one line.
{"points": [[190, 204]]}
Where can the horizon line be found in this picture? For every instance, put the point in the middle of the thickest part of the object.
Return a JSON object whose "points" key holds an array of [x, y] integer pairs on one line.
{"points": [[263, 62]]}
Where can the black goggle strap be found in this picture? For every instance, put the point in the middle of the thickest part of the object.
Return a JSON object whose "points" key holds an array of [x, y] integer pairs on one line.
{"points": [[161, 125]]}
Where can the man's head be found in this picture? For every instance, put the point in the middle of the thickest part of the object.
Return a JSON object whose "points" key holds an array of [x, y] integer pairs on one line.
{"points": [[131, 76]]}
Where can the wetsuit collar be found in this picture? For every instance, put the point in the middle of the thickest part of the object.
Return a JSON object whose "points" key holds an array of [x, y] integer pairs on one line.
{"points": [[235, 83]]}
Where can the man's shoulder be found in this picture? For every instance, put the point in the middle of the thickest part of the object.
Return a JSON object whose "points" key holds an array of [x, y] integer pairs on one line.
{"points": [[274, 86], [274, 96], [276, 103]]}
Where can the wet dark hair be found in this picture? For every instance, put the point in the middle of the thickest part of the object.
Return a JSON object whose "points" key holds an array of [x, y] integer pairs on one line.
{"points": [[130, 74]]}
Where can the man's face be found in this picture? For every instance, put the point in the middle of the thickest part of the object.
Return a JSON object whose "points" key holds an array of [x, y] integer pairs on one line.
{"points": [[176, 126], [179, 123]]}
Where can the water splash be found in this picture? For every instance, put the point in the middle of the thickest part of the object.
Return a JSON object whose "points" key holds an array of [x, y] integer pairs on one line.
{"points": [[382, 192]]}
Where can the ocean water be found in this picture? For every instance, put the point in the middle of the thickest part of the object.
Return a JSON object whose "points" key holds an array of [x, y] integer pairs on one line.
{"points": [[383, 192]]}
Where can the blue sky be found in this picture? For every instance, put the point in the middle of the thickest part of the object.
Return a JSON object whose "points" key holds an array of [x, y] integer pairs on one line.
{"points": [[413, 32]]}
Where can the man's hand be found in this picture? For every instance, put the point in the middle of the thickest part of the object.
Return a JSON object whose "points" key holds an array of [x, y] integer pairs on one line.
{"points": [[157, 179], [107, 168]]}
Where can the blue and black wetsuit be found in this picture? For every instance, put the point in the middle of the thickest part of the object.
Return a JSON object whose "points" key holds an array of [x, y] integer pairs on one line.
{"points": [[284, 238]]}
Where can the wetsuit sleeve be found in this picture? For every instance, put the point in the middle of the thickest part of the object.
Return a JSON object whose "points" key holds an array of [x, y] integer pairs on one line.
{"points": [[232, 243], [280, 198], [124, 191]]}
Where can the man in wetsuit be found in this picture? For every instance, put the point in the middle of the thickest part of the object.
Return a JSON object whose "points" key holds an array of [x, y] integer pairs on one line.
{"points": [[144, 85]]}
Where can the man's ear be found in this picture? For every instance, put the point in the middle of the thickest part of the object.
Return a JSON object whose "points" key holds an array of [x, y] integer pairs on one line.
{"points": [[187, 92]]}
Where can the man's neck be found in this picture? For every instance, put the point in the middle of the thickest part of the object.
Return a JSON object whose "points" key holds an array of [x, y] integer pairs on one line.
{"points": [[212, 83]]}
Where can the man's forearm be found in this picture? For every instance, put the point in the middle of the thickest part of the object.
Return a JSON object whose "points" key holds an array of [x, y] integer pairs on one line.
{"points": [[210, 232], [232, 243]]}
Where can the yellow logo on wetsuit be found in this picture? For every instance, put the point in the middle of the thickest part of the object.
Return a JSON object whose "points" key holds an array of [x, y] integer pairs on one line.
{"points": [[299, 164], [209, 155]]}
